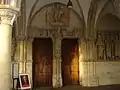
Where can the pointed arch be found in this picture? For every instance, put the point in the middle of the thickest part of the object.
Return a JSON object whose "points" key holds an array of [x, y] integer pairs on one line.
{"points": [[103, 12], [31, 11], [91, 17]]}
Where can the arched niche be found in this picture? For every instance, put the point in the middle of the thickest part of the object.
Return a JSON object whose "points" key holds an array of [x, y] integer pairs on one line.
{"points": [[108, 37], [108, 22], [54, 16]]}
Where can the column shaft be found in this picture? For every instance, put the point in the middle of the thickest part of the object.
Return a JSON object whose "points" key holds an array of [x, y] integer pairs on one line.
{"points": [[92, 77], [22, 65], [5, 56], [57, 78]]}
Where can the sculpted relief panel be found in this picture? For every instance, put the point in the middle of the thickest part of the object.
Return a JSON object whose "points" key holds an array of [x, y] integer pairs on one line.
{"points": [[56, 20], [56, 15], [107, 45]]}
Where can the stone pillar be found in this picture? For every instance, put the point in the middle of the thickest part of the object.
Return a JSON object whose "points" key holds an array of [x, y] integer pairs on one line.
{"points": [[81, 60], [6, 21], [22, 59], [57, 77], [92, 77], [29, 62], [83, 63]]}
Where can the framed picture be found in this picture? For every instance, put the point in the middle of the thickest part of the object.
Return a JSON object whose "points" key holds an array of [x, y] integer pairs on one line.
{"points": [[24, 81]]}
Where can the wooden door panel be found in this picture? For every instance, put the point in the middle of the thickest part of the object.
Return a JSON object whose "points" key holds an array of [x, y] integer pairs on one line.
{"points": [[70, 64], [42, 68]]}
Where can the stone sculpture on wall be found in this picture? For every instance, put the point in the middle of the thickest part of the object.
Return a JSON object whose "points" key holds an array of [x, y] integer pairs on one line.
{"points": [[106, 44], [58, 15], [100, 46]]}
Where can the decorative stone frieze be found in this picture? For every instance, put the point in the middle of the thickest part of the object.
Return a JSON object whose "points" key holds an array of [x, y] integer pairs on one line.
{"points": [[56, 32]]}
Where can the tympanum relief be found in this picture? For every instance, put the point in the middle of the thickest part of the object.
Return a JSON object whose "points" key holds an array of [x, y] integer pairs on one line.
{"points": [[58, 15], [107, 45]]}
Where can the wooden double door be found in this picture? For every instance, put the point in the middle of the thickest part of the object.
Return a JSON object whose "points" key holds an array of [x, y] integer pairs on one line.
{"points": [[70, 62], [42, 62]]}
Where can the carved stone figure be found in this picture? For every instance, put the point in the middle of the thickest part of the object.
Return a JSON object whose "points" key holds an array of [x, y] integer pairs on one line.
{"points": [[58, 15], [100, 47]]}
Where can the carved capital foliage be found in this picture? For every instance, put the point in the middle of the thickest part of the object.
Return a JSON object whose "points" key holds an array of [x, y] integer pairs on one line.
{"points": [[7, 16], [20, 38], [30, 40], [55, 33]]}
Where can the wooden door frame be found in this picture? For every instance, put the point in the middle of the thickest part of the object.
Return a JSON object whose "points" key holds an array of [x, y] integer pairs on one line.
{"points": [[33, 63], [77, 39]]}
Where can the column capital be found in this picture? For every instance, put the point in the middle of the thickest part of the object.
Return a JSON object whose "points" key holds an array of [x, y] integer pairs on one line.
{"points": [[30, 39], [18, 38], [7, 16]]}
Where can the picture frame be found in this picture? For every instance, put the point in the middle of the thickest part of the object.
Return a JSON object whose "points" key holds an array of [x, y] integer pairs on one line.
{"points": [[24, 81]]}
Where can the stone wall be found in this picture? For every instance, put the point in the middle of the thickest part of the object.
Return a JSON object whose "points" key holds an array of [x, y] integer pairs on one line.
{"points": [[91, 73], [108, 72], [100, 73]]}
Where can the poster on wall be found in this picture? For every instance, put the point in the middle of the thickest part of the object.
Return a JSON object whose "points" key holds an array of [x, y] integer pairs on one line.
{"points": [[24, 81]]}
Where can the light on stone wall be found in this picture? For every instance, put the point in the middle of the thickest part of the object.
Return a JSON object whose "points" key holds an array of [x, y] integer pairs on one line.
{"points": [[80, 63]]}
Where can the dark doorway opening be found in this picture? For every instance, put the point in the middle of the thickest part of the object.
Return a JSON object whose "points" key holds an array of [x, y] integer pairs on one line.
{"points": [[70, 62], [42, 62]]}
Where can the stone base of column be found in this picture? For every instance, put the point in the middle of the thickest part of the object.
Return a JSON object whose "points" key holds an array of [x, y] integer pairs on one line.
{"points": [[60, 80], [57, 81], [54, 80], [93, 81]]}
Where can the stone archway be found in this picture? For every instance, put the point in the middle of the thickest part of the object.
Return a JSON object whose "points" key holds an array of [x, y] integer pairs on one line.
{"points": [[56, 21]]}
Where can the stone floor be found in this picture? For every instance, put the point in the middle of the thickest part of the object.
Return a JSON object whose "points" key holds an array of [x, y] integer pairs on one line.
{"points": [[75, 87]]}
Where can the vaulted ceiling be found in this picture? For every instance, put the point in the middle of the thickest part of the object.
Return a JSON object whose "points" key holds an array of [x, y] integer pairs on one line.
{"points": [[87, 9]]}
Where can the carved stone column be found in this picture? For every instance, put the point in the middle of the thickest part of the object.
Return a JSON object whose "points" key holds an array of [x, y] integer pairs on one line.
{"points": [[22, 35], [22, 56], [6, 22], [29, 58], [82, 57], [57, 77], [92, 78]]}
